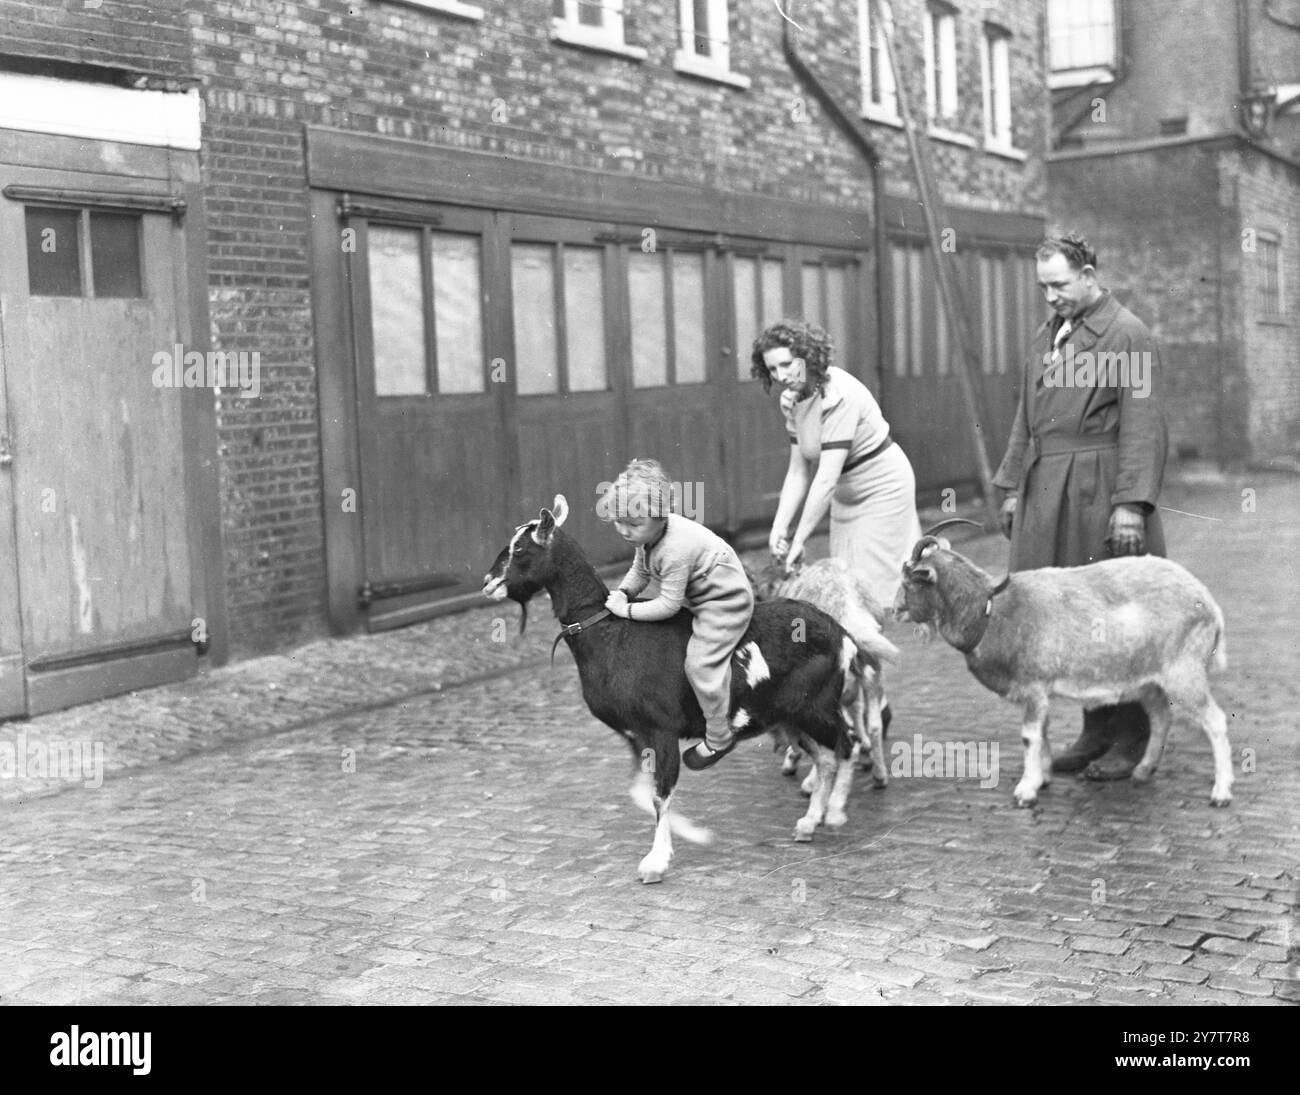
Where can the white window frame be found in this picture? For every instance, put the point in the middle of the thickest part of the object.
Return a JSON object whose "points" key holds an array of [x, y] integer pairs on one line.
{"points": [[717, 65], [1063, 17], [885, 111], [607, 38], [943, 106], [995, 71], [1274, 241], [446, 7]]}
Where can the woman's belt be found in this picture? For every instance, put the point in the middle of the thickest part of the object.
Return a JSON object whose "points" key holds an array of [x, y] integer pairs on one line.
{"points": [[856, 461]]}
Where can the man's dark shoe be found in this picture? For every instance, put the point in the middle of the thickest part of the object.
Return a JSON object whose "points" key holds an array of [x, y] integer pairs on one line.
{"points": [[700, 756], [1097, 737], [1132, 732]]}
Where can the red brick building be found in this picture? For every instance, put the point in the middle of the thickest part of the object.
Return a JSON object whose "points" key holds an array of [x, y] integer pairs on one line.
{"points": [[1177, 151], [487, 252]]}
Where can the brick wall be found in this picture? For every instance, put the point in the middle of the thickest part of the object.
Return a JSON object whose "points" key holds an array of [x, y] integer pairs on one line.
{"points": [[149, 37], [1168, 71], [1268, 199], [1160, 222], [268, 67], [500, 86]]}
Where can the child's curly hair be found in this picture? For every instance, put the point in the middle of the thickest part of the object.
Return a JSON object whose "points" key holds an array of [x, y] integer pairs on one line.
{"points": [[643, 489], [805, 340]]}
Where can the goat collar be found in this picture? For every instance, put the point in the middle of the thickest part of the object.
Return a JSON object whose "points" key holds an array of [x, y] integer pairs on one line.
{"points": [[984, 617], [568, 630]]}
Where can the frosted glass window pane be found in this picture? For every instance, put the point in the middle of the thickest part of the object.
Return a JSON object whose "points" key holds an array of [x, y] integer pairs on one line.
{"points": [[688, 317], [745, 290], [943, 351], [645, 288], [1000, 315], [532, 271], [53, 252], [986, 313], [813, 311], [898, 273], [914, 309], [458, 312], [837, 314], [773, 291], [397, 311], [115, 254], [584, 314]]}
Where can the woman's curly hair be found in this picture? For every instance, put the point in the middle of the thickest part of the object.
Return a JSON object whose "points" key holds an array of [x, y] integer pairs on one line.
{"points": [[805, 340]]}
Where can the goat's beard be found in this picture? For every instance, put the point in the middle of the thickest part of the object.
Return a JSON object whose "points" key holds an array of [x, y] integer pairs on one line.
{"points": [[924, 632], [523, 616]]}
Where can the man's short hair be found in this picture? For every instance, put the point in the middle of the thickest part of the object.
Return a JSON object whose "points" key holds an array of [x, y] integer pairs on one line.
{"points": [[1077, 251]]}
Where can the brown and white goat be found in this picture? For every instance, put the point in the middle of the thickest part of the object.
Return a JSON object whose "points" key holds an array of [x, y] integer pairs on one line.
{"points": [[844, 594], [795, 671], [1138, 628]]}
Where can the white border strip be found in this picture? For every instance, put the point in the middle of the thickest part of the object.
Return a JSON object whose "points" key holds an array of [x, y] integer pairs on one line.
{"points": [[73, 108]]}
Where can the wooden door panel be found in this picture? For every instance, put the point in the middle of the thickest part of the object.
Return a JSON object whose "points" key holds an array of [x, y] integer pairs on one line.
{"points": [[98, 476], [96, 491], [758, 452], [570, 446], [430, 493], [680, 428]]}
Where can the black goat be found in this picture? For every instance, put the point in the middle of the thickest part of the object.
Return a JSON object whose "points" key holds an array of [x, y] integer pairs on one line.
{"points": [[795, 672]]}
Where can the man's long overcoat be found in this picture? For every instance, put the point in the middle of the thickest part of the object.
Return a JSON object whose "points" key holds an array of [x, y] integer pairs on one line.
{"points": [[1066, 497]]}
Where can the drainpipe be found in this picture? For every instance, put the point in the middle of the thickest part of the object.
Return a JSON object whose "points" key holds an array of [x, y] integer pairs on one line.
{"points": [[857, 134]]}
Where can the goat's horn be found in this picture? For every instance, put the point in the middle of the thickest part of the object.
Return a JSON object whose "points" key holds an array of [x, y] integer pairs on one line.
{"points": [[920, 546], [951, 521]]}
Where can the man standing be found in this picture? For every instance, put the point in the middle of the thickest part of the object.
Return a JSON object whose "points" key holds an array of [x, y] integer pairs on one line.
{"points": [[1085, 460]]}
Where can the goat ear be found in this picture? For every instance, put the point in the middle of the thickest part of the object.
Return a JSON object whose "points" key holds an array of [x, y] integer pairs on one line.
{"points": [[560, 507], [545, 529]]}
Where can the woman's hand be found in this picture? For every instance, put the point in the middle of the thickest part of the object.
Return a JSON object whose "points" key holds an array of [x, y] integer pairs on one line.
{"points": [[794, 556], [778, 545], [616, 602]]}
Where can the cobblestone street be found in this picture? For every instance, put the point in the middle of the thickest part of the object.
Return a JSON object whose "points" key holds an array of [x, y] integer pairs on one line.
{"points": [[432, 816]]}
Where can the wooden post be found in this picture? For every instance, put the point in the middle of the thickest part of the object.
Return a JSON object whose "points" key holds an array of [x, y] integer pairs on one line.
{"points": [[950, 293]]}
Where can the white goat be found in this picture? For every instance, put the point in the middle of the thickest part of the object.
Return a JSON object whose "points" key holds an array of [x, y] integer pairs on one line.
{"points": [[844, 594], [1137, 628]]}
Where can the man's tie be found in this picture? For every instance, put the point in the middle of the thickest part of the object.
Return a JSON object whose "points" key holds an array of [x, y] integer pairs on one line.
{"points": [[1061, 335]]}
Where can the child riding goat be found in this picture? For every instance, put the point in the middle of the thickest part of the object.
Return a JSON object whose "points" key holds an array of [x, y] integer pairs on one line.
{"points": [[697, 570]]}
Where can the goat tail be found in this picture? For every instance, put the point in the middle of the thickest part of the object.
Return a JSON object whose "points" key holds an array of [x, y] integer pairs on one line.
{"points": [[679, 825]]}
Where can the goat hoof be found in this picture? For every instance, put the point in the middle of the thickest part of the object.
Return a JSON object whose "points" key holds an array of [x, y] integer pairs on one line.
{"points": [[803, 830], [809, 784], [1221, 802], [879, 782], [1142, 773], [1025, 799], [652, 869], [836, 819]]}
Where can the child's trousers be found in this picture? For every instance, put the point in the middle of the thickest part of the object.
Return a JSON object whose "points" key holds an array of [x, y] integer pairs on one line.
{"points": [[720, 622]]}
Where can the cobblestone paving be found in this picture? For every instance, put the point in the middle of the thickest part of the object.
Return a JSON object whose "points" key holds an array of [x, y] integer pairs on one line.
{"points": [[350, 825]]}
